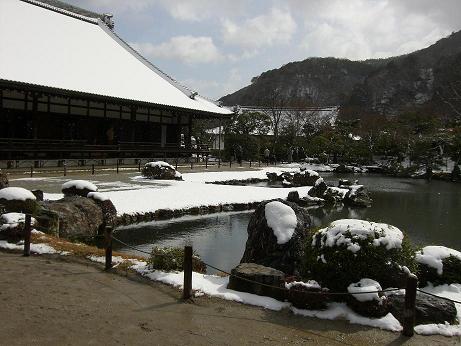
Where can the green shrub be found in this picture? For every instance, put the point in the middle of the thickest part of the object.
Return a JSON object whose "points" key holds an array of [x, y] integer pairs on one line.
{"points": [[336, 267], [451, 272], [172, 259]]}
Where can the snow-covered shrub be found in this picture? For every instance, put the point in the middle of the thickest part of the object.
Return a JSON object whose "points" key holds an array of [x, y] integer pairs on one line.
{"points": [[298, 295], [78, 188], [12, 225], [438, 265], [172, 259], [363, 301], [17, 199], [160, 170], [348, 250]]}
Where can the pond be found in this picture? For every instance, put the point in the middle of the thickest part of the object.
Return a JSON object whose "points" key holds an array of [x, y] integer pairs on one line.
{"points": [[429, 212]]}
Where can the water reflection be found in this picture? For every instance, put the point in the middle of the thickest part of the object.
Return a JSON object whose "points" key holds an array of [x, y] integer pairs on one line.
{"points": [[427, 212]]}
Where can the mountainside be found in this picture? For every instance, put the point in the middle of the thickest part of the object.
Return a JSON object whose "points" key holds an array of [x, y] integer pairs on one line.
{"points": [[384, 86]]}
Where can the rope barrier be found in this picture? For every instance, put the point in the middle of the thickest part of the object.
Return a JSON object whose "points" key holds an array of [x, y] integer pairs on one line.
{"points": [[434, 295], [132, 247]]}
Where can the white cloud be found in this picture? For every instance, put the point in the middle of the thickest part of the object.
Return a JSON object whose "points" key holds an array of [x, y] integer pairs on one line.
{"points": [[188, 49], [275, 27], [198, 10], [359, 29]]}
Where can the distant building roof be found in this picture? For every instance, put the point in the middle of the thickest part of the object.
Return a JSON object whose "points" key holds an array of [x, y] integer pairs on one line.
{"points": [[60, 48]]}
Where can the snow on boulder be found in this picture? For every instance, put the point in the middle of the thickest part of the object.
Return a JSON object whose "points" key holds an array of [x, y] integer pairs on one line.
{"points": [[78, 188], [439, 265], [282, 219], [17, 199], [160, 170], [277, 232], [348, 250], [97, 196]]}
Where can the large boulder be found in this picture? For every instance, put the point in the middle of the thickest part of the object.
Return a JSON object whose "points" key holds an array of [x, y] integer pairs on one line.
{"points": [[318, 189], [160, 170], [47, 220], [357, 196], [78, 216], [244, 273], [277, 232], [439, 265], [78, 188], [348, 250], [305, 177], [428, 309], [3, 180], [17, 199]]}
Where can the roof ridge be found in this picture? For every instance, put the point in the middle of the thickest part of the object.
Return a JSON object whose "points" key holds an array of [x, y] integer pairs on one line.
{"points": [[186, 90], [62, 11]]}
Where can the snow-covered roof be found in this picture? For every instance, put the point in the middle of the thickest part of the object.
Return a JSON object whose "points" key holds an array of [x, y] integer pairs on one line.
{"points": [[51, 47]]}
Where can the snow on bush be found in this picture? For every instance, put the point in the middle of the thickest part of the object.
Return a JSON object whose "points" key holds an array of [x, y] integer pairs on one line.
{"points": [[13, 220], [281, 218], [348, 250], [365, 285], [79, 185], [439, 265], [433, 256], [16, 194], [160, 170], [97, 196], [350, 232], [311, 284]]}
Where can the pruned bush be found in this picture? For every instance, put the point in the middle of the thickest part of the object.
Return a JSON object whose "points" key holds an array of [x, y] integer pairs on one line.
{"points": [[439, 265], [172, 259], [160, 170], [349, 250]]}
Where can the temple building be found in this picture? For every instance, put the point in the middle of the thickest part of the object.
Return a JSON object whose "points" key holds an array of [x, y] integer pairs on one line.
{"points": [[70, 87]]}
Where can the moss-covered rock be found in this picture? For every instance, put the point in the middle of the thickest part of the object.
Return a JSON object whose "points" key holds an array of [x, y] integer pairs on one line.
{"points": [[349, 250]]}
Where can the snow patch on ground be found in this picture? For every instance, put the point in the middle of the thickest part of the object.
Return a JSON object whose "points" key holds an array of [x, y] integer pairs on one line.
{"points": [[281, 218], [433, 256], [34, 248]]}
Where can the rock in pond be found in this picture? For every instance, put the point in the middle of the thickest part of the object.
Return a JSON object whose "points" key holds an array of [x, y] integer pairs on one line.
{"points": [[261, 275], [357, 196], [276, 236]]}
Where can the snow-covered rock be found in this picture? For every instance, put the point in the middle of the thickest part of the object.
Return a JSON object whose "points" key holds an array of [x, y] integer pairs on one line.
{"points": [[78, 188], [160, 170], [276, 234]]}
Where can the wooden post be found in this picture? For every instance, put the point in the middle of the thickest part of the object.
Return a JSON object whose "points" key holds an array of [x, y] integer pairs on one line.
{"points": [[139, 165], [92, 169], [206, 162], [65, 169], [176, 165], [250, 163], [230, 162], [31, 171], [27, 233], [191, 163], [187, 290], [410, 303], [108, 246], [117, 165]]}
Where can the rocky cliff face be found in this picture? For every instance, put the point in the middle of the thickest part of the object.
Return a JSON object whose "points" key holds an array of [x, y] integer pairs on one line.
{"points": [[383, 86]]}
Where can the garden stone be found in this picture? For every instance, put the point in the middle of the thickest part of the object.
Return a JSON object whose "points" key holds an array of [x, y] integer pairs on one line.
{"points": [[428, 309], [160, 170], [262, 245], [293, 196], [260, 274], [78, 216], [38, 194], [372, 308], [318, 189], [357, 196], [48, 221]]}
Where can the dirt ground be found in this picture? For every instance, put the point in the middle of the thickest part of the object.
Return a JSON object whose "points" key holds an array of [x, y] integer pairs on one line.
{"points": [[50, 300]]}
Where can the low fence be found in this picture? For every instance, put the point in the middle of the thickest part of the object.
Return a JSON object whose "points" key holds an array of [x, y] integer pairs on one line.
{"points": [[411, 287]]}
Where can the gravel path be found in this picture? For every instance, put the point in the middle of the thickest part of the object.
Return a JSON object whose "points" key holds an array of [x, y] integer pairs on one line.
{"points": [[48, 300]]}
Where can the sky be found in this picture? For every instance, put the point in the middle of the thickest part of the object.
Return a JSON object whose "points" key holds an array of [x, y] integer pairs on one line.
{"points": [[217, 46]]}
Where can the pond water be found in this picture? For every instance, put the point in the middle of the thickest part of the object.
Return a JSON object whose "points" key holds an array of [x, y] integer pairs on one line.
{"points": [[429, 212]]}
